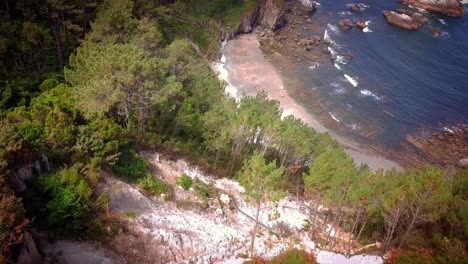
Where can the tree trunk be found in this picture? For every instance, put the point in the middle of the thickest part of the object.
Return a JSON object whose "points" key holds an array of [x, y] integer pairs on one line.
{"points": [[254, 231], [58, 42], [312, 232], [410, 227], [390, 233]]}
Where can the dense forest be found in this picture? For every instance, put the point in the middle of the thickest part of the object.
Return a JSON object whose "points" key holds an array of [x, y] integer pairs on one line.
{"points": [[90, 83]]}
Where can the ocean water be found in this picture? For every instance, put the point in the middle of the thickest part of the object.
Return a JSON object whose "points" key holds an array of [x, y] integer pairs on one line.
{"points": [[397, 81]]}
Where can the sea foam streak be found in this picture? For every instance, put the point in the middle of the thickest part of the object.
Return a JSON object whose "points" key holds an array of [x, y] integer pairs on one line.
{"points": [[369, 93], [351, 80], [334, 117]]}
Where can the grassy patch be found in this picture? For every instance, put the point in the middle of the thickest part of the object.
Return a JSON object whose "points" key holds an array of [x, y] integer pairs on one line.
{"points": [[152, 185], [185, 182]]}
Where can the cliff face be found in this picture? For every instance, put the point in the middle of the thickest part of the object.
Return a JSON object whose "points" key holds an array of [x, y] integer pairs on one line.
{"points": [[446, 7], [269, 14]]}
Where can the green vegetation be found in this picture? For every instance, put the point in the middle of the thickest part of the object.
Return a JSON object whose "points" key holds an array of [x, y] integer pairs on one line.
{"points": [[152, 185], [291, 256], [185, 182], [262, 182], [91, 83], [130, 165]]}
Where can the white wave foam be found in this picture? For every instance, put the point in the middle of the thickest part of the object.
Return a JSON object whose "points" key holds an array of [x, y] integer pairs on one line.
{"points": [[353, 126], [223, 75], [334, 117], [344, 13], [341, 59], [419, 9], [337, 66], [367, 29], [369, 93], [333, 28], [326, 36], [351, 80], [339, 91], [442, 22]]}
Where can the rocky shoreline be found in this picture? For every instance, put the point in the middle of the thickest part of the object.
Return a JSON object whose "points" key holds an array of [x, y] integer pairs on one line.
{"points": [[302, 39]]}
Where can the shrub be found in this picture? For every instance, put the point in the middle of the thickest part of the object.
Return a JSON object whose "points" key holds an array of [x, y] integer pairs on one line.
{"points": [[292, 256], [130, 165], [400, 256], [185, 181], [71, 199], [152, 185]]}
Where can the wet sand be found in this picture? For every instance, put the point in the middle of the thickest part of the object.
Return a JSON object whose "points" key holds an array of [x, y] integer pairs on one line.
{"points": [[247, 71]]}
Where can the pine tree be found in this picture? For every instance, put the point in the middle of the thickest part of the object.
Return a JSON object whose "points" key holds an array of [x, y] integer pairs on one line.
{"points": [[262, 182]]}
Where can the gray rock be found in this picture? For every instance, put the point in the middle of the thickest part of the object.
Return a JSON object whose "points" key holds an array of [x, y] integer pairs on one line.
{"points": [[28, 252], [463, 162]]}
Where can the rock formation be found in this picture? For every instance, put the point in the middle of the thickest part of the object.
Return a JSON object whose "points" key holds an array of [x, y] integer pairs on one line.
{"points": [[28, 252], [270, 14], [309, 5], [346, 24], [405, 19], [446, 7], [27, 171], [356, 8]]}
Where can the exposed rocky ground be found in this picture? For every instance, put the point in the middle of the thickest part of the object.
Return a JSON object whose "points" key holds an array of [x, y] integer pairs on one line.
{"points": [[183, 227], [447, 147]]}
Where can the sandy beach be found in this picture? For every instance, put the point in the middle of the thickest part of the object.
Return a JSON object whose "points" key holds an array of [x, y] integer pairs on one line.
{"points": [[247, 72]]}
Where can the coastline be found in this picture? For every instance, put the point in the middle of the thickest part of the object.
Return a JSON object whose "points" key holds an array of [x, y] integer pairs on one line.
{"points": [[246, 71]]}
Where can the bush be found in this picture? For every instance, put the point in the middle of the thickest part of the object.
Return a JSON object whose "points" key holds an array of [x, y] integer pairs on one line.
{"points": [[152, 185], [185, 181], [130, 165], [400, 256], [292, 256], [71, 199]]}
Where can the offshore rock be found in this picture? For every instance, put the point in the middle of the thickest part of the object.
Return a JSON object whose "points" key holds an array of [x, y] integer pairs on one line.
{"points": [[346, 24], [445, 7], [270, 14], [405, 19]]}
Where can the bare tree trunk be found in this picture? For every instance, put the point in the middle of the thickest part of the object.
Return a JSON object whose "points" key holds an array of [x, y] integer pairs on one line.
{"points": [[254, 231], [392, 228], [410, 227], [312, 231], [58, 42]]}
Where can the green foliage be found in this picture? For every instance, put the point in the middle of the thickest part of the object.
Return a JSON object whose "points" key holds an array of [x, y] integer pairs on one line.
{"points": [[410, 257], [130, 165], [291, 256], [185, 181], [71, 199], [262, 181], [152, 185]]}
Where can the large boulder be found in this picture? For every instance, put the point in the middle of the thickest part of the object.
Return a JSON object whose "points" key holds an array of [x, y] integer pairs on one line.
{"points": [[445, 7], [270, 14], [309, 5], [405, 19], [346, 24]]}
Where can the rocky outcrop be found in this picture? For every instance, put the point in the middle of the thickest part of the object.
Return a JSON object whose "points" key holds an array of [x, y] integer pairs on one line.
{"points": [[405, 19], [270, 14], [446, 147], [27, 171], [445, 7], [361, 25], [356, 8], [346, 24], [309, 5], [28, 252]]}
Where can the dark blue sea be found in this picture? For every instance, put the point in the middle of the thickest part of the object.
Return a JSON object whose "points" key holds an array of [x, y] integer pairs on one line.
{"points": [[398, 81]]}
